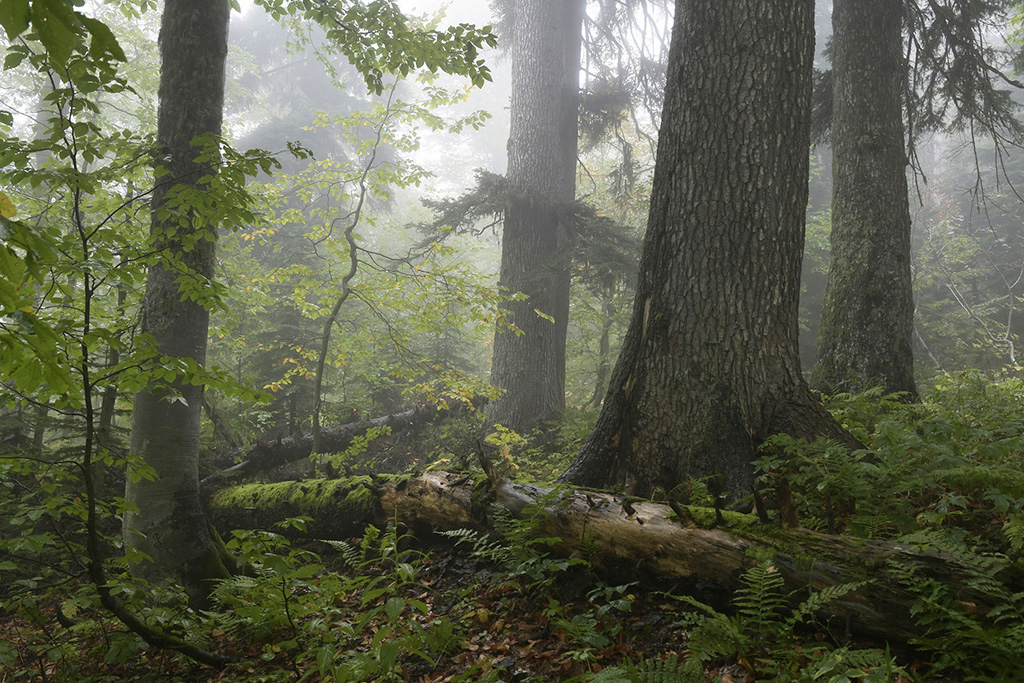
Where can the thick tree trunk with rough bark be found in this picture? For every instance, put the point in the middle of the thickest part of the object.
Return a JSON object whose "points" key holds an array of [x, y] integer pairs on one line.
{"points": [[867, 320], [710, 365], [624, 540], [542, 147], [171, 525]]}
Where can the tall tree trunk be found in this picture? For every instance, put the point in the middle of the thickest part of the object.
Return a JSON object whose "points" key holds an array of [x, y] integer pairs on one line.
{"points": [[710, 366], [170, 525], [604, 360], [867, 321], [542, 146]]}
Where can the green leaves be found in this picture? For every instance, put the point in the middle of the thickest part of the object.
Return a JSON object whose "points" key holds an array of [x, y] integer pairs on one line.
{"points": [[378, 40], [103, 41], [58, 26], [30, 347], [14, 17]]}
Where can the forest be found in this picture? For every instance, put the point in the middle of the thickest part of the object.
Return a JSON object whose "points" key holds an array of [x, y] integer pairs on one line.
{"points": [[531, 340]]}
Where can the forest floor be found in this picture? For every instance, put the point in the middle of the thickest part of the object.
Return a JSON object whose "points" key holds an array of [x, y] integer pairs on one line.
{"points": [[495, 628], [944, 474]]}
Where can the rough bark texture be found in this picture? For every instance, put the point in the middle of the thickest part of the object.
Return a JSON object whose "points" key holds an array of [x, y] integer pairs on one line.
{"points": [[542, 147], [710, 366], [171, 525], [636, 541], [867, 320]]}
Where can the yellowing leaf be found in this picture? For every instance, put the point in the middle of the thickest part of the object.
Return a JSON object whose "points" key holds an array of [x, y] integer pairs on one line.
{"points": [[544, 315], [7, 207]]}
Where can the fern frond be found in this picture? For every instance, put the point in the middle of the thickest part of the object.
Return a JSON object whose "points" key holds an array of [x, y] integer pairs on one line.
{"points": [[950, 544], [817, 600], [462, 535], [844, 664], [1013, 532], [350, 555], [665, 670], [1012, 608], [227, 590], [1004, 478], [484, 548], [233, 626], [870, 526], [761, 600], [368, 542]]}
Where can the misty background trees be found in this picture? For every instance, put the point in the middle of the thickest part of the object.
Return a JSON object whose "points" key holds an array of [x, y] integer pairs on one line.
{"points": [[868, 309], [529, 366]]}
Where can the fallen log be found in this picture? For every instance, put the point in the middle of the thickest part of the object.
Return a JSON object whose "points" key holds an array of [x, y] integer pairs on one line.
{"points": [[263, 456], [625, 538]]}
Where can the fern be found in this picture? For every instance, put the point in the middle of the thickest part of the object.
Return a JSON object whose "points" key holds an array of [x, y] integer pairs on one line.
{"points": [[844, 664], [666, 670], [952, 542], [370, 537], [761, 634], [519, 547], [870, 526], [1013, 532], [760, 601], [375, 546], [246, 608], [483, 547], [982, 647], [816, 601], [350, 555]]}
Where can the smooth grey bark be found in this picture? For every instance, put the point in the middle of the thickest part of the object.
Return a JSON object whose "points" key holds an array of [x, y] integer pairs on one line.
{"points": [[867, 321], [170, 525], [542, 148], [710, 365]]}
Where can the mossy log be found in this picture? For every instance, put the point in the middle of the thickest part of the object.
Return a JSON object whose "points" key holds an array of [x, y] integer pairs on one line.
{"points": [[263, 456], [626, 538]]}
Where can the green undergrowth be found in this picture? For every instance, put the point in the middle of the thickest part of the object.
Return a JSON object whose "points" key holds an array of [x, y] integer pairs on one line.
{"points": [[943, 476]]}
